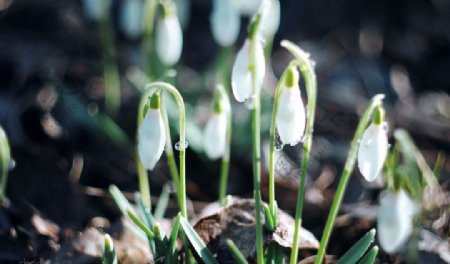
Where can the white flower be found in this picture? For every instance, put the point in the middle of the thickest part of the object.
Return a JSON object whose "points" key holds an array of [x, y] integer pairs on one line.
{"points": [[225, 22], [131, 16], [241, 78], [373, 150], [215, 135], [291, 118], [169, 39], [95, 9], [246, 7], [183, 11], [271, 21], [151, 139], [395, 219]]}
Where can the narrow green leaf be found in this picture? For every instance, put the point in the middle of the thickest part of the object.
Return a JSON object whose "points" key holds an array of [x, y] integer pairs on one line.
{"points": [[197, 242], [358, 249], [109, 253], [268, 217], [172, 252], [163, 201], [440, 161], [140, 224], [5, 159], [119, 199], [236, 253], [370, 257]]}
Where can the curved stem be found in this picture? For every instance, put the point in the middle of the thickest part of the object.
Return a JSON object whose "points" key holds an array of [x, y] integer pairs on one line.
{"points": [[226, 157], [346, 173], [307, 70], [180, 103], [278, 90]]}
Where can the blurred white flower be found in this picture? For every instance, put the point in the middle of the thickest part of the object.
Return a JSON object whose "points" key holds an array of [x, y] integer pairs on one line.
{"points": [[95, 9], [373, 150], [169, 38], [395, 219], [215, 135], [183, 11], [225, 22], [241, 77], [131, 18], [151, 138], [291, 118], [271, 21], [246, 7]]}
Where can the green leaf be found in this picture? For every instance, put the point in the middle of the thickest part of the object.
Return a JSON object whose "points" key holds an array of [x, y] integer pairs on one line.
{"points": [[236, 253], [163, 201], [268, 217], [440, 161], [370, 257], [5, 159], [109, 253], [172, 252], [140, 224], [358, 249], [197, 242]]}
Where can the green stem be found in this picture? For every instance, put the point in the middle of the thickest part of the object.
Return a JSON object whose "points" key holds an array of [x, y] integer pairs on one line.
{"points": [[278, 90], [346, 173], [180, 103], [5, 159], [307, 70], [225, 166]]}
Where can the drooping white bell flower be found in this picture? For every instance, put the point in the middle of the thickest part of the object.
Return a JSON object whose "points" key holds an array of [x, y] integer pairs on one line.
{"points": [[152, 135], [291, 118], [246, 7], [215, 135], [131, 17], [373, 148], [183, 12], [395, 219], [241, 77], [225, 22], [169, 37], [271, 20]]}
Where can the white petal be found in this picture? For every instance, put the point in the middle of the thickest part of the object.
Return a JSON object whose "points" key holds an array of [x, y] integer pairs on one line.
{"points": [[246, 7], [215, 135], [225, 22], [152, 138], [272, 19], [395, 219], [291, 117], [373, 150], [169, 39], [183, 11], [131, 18], [241, 78]]}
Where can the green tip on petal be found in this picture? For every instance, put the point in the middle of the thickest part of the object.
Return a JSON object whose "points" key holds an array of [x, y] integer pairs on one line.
{"points": [[168, 8], [254, 25], [292, 77], [217, 102], [378, 116], [155, 101]]}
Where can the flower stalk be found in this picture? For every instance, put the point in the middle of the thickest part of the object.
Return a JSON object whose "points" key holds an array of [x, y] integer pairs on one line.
{"points": [[308, 73], [346, 173], [5, 159]]}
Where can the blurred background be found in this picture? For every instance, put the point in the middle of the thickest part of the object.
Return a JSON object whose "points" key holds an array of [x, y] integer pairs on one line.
{"points": [[71, 77]]}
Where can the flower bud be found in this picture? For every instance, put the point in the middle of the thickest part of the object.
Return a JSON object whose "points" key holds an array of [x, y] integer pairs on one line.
{"points": [[395, 219], [271, 21], [152, 135], [131, 17], [225, 22], [373, 150], [291, 118], [241, 77], [215, 135], [169, 37]]}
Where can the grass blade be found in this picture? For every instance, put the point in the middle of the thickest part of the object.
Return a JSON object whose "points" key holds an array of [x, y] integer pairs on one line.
{"points": [[197, 242], [370, 257], [236, 253], [163, 201], [109, 253], [358, 249]]}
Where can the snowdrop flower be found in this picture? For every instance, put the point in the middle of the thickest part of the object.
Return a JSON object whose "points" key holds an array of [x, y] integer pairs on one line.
{"points": [[373, 147], [95, 9], [131, 17], [271, 21], [183, 11], [225, 22], [291, 118], [246, 7], [169, 37], [395, 219], [241, 77], [152, 136], [215, 133]]}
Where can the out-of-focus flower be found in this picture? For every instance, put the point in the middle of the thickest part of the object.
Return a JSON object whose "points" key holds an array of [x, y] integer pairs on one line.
{"points": [[95, 9], [271, 21], [246, 7], [215, 135], [290, 120], [152, 135], [395, 219], [373, 149], [225, 22], [169, 37], [241, 77], [131, 18], [183, 11]]}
